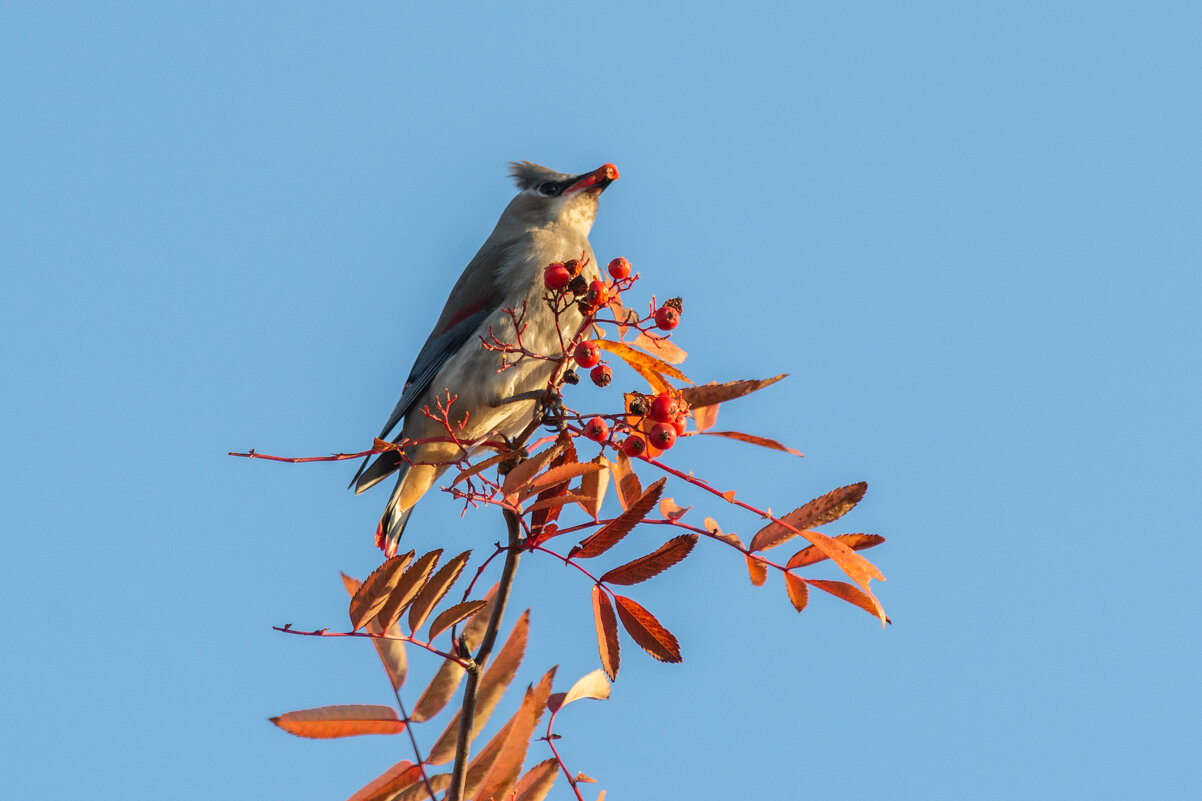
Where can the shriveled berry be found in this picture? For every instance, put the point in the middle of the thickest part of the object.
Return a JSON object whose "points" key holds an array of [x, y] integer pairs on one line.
{"points": [[663, 436], [587, 354], [634, 446], [664, 409], [667, 318], [619, 268], [571, 377], [556, 276], [596, 430], [573, 266], [638, 405], [601, 375]]}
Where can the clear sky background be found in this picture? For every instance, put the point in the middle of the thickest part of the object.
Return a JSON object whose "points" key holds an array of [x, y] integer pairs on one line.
{"points": [[970, 231]]}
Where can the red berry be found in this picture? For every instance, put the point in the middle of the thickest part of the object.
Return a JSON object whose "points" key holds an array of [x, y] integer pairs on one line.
{"points": [[597, 295], [663, 436], [619, 268], [596, 430], [667, 318], [556, 276], [587, 354], [680, 423], [634, 446], [601, 375], [664, 409]]}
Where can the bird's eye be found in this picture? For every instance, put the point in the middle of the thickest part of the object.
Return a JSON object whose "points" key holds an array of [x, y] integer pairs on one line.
{"points": [[548, 189]]}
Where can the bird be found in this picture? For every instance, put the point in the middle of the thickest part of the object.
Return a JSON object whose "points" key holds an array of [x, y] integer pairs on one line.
{"points": [[547, 221]]}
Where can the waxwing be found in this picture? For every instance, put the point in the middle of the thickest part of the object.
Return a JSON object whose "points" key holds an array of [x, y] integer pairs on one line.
{"points": [[548, 221]]}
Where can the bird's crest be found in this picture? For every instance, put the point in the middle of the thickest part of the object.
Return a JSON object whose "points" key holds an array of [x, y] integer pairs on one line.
{"points": [[527, 174]]}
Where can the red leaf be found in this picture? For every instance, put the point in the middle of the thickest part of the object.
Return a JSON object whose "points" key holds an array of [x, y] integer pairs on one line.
{"points": [[391, 652], [344, 720], [446, 680], [752, 439], [627, 483], [850, 593], [812, 555], [645, 630], [645, 567], [502, 771], [611, 533], [434, 590], [385, 786], [449, 617], [524, 473], [818, 512], [407, 587], [607, 632], [709, 394], [373, 593], [799, 593]]}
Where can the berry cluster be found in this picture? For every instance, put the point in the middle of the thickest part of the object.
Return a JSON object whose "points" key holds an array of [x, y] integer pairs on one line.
{"points": [[650, 424]]}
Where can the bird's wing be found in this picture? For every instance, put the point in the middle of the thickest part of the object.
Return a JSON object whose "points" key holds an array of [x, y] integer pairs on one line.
{"points": [[442, 344]]}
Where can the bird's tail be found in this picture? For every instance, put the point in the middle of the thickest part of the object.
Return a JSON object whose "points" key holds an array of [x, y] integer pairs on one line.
{"points": [[392, 523]]}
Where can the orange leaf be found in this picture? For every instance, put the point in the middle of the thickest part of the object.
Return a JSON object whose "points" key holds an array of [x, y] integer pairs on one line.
{"points": [[642, 362], [401, 775], [594, 485], [446, 680], [562, 474], [756, 569], [753, 439], [851, 594], [709, 394], [407, 587], [645, 630], [507, 766], [818, 512], [524, 473], [449, 617], [706, 416], [611, 533], [672, 510], [592, 685], [435, 589], [558, 502], [628, 485], [663, 348], [480, 467], [492, 686], [537, 782], [799, 593], [345, 720], [713, 528], [373, 593], [546, 509], [391, 652], [607, 632], [438, 783], [645, 567], [812, 555]]}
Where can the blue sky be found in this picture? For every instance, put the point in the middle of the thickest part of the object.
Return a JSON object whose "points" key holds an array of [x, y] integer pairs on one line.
{"points": [[968, 231]]}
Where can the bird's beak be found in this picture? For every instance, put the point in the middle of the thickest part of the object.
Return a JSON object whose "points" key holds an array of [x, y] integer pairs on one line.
{"points": [[596, 180]]}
